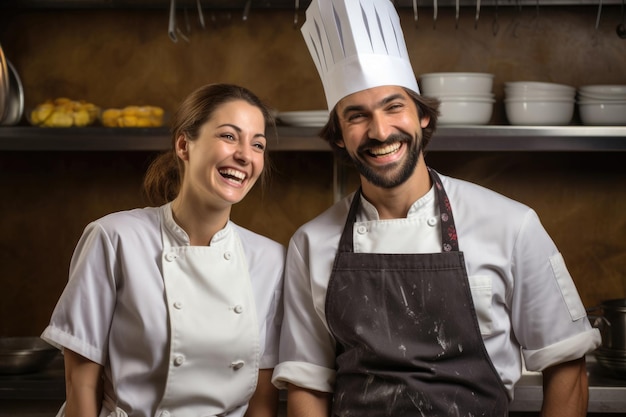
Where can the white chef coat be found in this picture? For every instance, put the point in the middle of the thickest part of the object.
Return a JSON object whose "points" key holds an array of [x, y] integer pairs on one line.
{"points": [[117, 311], [524, 297]]}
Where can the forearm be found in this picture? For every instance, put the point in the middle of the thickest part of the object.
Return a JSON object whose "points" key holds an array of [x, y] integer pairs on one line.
{"points": [[565, 390], [302, 402], [83, 386], [264, 402]]}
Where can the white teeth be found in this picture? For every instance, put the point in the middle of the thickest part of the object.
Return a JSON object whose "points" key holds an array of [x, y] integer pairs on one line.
{"points": [[384, 150], [233, 173]]}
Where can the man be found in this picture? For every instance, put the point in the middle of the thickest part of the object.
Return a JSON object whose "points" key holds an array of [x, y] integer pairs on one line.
{"points": [[415, 295]]}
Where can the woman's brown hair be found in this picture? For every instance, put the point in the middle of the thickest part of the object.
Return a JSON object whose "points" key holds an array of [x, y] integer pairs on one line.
{"points": [[164, 175]]}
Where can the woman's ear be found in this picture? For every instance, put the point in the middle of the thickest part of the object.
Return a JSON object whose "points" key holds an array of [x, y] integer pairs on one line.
{"points": [[182, 148]]}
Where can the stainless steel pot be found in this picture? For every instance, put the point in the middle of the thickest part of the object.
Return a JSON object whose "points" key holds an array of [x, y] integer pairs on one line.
{"points": [[20, 355], [613, 325]]}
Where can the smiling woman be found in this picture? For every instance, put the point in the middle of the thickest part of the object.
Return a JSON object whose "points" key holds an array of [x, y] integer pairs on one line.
{"points": [[185, 271]]}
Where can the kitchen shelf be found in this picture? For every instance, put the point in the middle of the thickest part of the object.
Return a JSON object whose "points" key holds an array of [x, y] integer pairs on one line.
{"points": [[447, 138], [268, 4]]}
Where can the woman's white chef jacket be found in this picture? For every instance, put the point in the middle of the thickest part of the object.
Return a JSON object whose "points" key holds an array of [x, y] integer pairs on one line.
{"points": [[171, 343], [523, 294]]}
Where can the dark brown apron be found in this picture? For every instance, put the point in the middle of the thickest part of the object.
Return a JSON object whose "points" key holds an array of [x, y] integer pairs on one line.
{"points": [[408, 342]]}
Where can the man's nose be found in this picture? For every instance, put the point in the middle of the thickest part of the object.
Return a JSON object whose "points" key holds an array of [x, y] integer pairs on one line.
{"points": [[379, 128]]}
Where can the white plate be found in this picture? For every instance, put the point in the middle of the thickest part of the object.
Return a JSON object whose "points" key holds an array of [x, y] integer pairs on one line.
{"points": [[313, 118]]}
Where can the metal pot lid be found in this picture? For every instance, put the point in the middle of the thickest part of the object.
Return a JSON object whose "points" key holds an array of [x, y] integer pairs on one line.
{"points": [[14, 105], [4, 84]]}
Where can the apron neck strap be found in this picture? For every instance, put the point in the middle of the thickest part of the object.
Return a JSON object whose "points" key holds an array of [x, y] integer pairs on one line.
{"points": [[449, 241]]}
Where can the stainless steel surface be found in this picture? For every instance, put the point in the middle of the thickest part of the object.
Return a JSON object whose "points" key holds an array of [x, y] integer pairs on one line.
{"points": [[457, 138], [14, 109], [20, 355]]}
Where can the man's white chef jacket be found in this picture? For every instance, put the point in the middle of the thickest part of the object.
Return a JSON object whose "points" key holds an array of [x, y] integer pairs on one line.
{"points": [[523, 294]]}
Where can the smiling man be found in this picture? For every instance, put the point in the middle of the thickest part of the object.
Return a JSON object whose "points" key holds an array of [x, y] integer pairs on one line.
{"points": [[418, 294]]}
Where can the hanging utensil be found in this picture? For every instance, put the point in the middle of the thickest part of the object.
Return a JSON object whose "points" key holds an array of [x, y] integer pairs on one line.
{"points": [[434, 14], [495, 27], [621, 28], [171, 27], [457, 6], [477, 14], [415, 16], [295, 14], [200, 14], [246, 10], [599, 13]]}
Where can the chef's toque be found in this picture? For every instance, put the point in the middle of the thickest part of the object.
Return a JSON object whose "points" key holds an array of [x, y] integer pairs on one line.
{"points": [[356, 45]]}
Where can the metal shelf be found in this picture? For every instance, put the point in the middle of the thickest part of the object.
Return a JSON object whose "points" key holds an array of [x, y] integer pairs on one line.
{"points": [[268, 4], [447, 138]]}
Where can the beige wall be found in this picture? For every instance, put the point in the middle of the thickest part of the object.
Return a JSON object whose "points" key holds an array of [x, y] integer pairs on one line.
{"points": [[117, 58]]}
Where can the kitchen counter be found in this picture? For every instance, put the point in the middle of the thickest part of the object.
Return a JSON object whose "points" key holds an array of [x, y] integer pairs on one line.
{"points": [[40, 394]]}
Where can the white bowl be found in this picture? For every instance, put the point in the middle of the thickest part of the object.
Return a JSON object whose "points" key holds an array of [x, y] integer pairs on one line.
{"points": [[603, 114], [465, 112], [465, 97], [461, 83], [602, 97], [539, 94], [604, 90], [539, 112], [525, 86]]}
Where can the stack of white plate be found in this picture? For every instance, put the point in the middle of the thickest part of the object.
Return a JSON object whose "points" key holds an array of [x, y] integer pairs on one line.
{"points": [[466, 97], [312, 118], [539, 103], [602, 104]]}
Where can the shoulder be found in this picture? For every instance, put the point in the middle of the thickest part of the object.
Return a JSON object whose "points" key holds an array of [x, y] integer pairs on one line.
{"points": [[325, 229], [140, 223], [254, 242], [466, 196]]}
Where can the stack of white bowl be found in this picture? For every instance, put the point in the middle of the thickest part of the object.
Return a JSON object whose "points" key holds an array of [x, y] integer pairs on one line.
{"points": [[539, 103], [602, 104], [466, 97]]}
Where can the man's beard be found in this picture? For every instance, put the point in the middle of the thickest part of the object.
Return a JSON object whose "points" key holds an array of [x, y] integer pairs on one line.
{"points": [[387, 179]]}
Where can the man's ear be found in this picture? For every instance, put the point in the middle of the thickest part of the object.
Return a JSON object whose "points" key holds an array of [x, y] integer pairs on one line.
{"points": [[340, 143], [182, 148], [424, 120]]}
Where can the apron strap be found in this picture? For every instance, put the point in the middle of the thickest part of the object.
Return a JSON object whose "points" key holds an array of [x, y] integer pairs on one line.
{"points": [[449, 241]]}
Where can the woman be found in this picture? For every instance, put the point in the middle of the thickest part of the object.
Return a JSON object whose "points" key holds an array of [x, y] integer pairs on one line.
{"points": [[174, 310]]}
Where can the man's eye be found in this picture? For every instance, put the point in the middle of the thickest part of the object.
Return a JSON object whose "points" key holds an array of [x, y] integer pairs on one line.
{"points": [[355, 116]]}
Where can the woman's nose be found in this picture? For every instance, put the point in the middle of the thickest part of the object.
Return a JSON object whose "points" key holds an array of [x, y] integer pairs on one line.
{"points": [[242, 153]]}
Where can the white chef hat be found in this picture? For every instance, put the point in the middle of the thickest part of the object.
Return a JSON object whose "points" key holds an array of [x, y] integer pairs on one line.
{"points": [[356, 45]]}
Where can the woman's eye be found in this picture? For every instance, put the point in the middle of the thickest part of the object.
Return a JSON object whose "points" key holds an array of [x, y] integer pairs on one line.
{"points": [[260, 146], [228, 136]]}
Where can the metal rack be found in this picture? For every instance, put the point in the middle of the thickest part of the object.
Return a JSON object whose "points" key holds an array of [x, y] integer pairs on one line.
{"points": [[297, 139], [271, 4]]}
